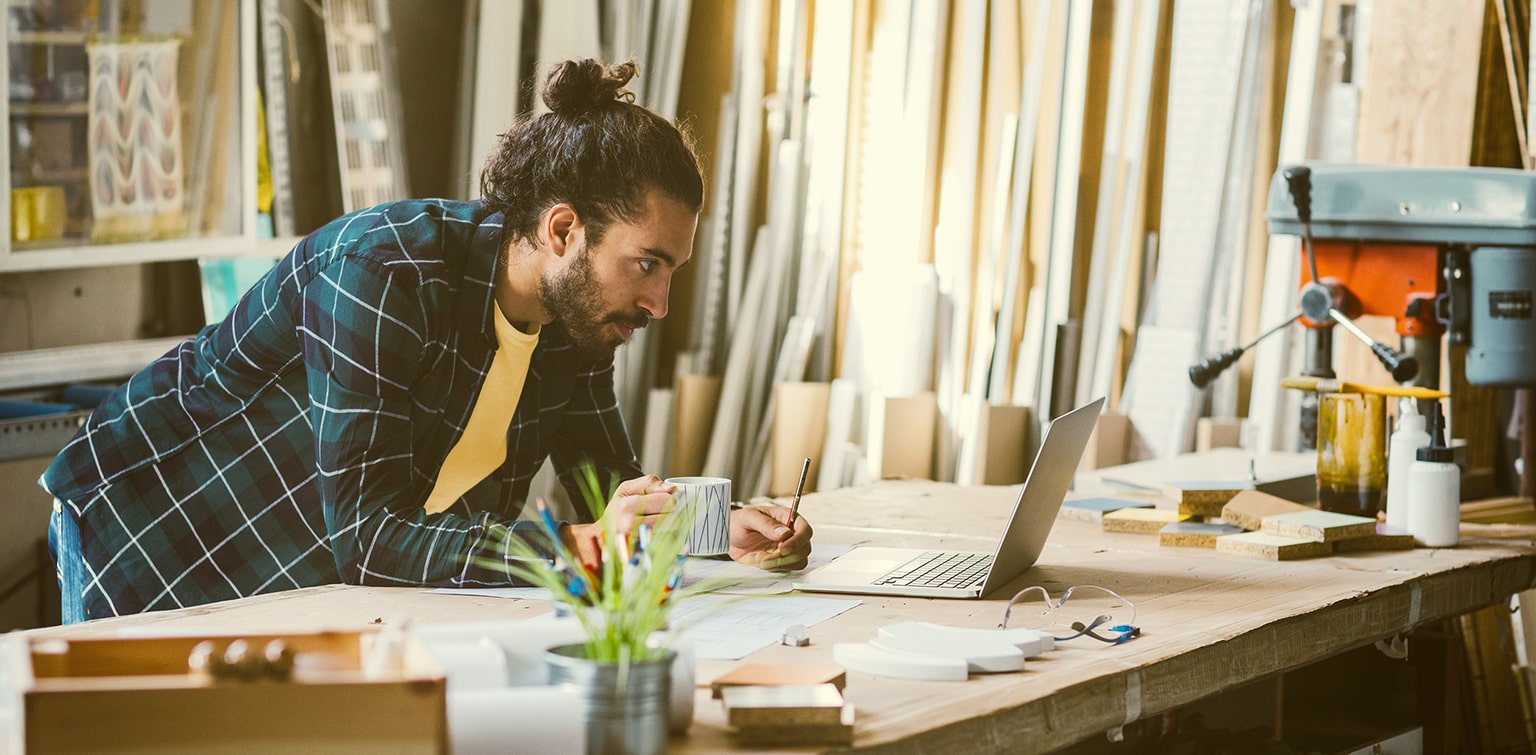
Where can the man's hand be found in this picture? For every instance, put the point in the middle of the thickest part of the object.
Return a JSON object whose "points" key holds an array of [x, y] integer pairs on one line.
{"points": [[643, 499], [760, 537]]}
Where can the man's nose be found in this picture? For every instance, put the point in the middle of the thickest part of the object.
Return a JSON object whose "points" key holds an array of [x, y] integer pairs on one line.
{"points": [[654, 300]]}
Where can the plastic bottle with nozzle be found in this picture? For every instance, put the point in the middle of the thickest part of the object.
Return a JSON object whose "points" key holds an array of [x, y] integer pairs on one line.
{"points": [[1434, 484], [1407, 438]]}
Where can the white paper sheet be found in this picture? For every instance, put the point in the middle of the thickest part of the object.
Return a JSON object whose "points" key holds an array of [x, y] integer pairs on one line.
{"points": [[727, 628], [750, 580]]}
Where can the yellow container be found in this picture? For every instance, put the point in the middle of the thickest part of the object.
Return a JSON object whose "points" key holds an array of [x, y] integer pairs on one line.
{"points": [[37, 213], [1351, 452]]}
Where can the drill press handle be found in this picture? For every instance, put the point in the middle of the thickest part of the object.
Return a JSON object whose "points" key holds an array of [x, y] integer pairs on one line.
{"points": [[1208, 369], [1404, 367]]}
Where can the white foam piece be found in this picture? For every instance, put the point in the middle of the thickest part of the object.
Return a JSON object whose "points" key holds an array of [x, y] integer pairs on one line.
{"points": [[1028, 641], [866, 658], [983, 657]]}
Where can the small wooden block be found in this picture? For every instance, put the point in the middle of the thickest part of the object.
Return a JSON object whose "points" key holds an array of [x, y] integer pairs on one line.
{"points": [[1142, 521], [783, 705], [1271, 547], [1094, 509], [771, 674], [1194, 534], [839, 733], [1204, 497], [1384, 539], [1248, 508], [1319, 526]]}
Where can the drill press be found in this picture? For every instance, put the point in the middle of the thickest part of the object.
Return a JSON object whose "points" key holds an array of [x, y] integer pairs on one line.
{"points": [[1447, 252]]}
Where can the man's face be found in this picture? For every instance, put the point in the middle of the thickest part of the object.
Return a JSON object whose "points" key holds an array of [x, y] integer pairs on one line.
{"points": [[617, 286]]}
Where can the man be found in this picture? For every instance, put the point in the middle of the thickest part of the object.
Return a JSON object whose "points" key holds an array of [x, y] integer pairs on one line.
{"points": [[372, 410]]}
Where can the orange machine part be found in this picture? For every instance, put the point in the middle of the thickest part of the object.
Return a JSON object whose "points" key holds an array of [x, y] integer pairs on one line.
{"points": [[1381, 279]]}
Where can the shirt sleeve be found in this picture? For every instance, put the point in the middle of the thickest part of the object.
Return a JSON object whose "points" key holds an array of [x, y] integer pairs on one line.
{"points": [[592, 431], [364, 328]]}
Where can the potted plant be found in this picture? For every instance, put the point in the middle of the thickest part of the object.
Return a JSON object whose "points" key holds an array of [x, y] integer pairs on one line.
{"points": [[622, 670]]}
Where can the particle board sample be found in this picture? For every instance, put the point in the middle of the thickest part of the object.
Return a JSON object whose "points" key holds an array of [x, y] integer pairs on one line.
{"points": [[1319, 526], [1094, 509], [773, 674], [1204, 497], [1271, 547], [1194, 534], [1248, 508], [783, 705], [838, 733], [1384, 539], [1142, 521]]}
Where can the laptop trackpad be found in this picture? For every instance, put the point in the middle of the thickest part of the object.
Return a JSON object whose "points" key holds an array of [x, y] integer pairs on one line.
{"points": [[860, 565]]}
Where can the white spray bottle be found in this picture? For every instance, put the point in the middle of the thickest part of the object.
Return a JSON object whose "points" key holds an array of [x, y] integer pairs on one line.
{"points": [[1408, 437]]}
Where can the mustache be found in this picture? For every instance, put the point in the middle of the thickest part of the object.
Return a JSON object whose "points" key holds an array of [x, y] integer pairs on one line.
{"points": [[633, 321]]}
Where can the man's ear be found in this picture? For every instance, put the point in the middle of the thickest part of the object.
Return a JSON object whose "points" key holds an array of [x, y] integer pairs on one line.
{"points": [[559, 227]]}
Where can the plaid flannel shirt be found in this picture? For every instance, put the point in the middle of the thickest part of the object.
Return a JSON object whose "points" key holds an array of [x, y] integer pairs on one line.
{"points": [[294, 443]]}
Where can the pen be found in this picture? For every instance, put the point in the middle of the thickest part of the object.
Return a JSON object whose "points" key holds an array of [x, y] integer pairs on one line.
{"points": [[794, 508]]}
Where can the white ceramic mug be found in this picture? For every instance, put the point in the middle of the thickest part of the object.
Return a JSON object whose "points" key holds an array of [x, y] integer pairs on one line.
{"points": [[710, 501]]}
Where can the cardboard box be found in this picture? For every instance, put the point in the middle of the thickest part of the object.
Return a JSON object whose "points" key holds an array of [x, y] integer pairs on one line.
{"points": [[139, 694]]}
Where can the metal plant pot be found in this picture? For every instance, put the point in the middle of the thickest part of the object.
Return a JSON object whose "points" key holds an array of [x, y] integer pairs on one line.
{"points": [[625, 708]]}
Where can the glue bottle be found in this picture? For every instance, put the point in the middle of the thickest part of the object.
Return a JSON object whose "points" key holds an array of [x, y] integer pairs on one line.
{"points": [[1434, 484], [1408, 437]]}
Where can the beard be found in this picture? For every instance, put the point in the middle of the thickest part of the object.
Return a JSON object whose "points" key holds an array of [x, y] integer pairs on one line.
{"points": [[575, 298]]}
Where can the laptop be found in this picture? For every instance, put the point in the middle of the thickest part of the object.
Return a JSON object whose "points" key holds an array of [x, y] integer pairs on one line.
{"points": [[971, 574]]}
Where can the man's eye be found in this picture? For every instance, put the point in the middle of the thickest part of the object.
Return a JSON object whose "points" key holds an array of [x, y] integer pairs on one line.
{"points": [[647, 265]]}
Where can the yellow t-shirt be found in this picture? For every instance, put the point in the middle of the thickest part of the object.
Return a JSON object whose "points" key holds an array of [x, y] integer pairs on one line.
{"points": [[483, 446]]}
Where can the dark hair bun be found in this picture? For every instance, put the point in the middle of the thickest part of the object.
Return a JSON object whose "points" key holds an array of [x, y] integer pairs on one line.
{"points": [[574, 87]]}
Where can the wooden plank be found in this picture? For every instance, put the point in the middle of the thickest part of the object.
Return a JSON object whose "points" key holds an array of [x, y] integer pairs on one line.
{"points": [[1270, 408], [1383, 539], [1420, 85], [1271, 547], [1107, 445], [748, 84], [1140, 521], [799, 432], [1012, 237], [1122, 127], [956, 229], [1248, 508], [657, 444], [857, 125], [1218, 432], [1204, 497], [1319, 526], [1064, 238], [696, 400], [1004, 450], [1093, 509], [899, 441], [1194, 534]]}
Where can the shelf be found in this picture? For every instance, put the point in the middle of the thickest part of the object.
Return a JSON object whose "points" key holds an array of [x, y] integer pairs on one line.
{"points": [[26, 177], [103, 255], [33, 437], [49, 109], [80, 364], [48, 37]]}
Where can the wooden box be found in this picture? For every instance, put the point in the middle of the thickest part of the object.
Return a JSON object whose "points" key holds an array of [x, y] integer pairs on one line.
{"points": [[138, 694]]}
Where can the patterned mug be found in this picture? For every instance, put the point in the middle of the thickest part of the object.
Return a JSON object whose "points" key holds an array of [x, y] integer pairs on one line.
{"points": [[709, 499]]}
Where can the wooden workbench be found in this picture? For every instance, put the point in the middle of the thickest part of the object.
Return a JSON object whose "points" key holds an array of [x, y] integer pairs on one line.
{"points": [[1210, 622]]}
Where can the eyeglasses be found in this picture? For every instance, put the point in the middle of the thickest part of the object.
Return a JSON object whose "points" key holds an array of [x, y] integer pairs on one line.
{"points": [[1096, 612]]}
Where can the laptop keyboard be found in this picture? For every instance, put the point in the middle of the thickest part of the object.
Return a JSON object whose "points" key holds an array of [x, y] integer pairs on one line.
{"points": [[940, 569]]}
